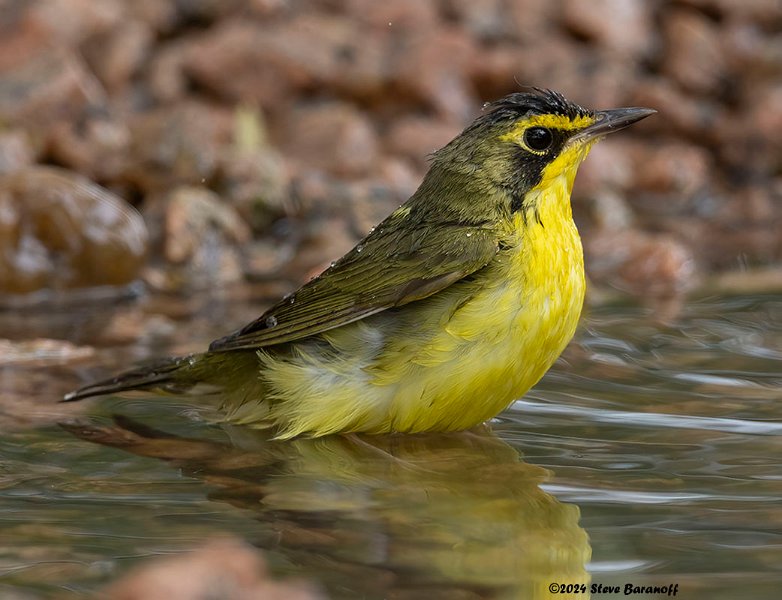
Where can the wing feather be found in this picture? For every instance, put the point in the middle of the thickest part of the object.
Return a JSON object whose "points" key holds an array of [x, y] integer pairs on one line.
{"points": [[392, 266]]}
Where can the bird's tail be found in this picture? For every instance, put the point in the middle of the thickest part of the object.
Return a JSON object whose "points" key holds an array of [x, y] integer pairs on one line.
{"points": [[177, 375]]}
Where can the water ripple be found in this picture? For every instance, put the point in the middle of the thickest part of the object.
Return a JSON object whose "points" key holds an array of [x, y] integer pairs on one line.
{"points": [[636, 419]]}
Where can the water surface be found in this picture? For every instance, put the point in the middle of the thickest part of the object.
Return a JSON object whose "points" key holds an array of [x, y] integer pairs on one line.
{"points": [[648, 455]]}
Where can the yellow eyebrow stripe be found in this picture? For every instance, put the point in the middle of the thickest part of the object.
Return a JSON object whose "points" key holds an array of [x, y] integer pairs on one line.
{"points": [[550, 121]]}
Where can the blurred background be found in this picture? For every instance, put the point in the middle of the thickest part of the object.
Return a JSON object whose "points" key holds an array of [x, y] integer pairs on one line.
{"points": [[169, 168], [263, 138]]}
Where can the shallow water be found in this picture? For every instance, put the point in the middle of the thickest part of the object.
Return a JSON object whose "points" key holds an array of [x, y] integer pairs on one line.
{"points": [[649, 455]]}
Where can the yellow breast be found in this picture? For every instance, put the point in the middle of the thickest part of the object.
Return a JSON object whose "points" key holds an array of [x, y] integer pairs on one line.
{"points": [[453, 360], [501, 342], [448, 362]]}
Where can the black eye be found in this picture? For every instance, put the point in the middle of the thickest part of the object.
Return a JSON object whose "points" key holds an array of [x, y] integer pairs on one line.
{"points": [[538, 138]]}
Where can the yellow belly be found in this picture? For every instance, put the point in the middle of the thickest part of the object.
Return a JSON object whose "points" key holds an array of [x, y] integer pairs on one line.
{"points": [[445, 363]]}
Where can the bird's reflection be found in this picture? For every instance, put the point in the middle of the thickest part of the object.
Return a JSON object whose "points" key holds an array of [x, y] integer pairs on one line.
{"points": [[400, 516]]}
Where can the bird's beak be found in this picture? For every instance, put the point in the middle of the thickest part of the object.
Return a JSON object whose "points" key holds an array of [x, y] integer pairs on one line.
{"points": [[608, 121]]}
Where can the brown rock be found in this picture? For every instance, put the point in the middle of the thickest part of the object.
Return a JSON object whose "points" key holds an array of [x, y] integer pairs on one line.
{"points": [[400, 176], [672, 167], [693, 54], [207, 11], [161, 17], [400, 15], [643, 264], [50, 87], [95, 146], [16, 150], [431, 67], [485, 19], [249, 62], [70, 22], [224, 568], [326, 240], [623, 26], [533, 21], [682, 114], [496, 70], [759, 10], [256, 184], [203, 237], [609, 167], [416, 138], [59, 230], [593, 77], [41, 352], [765, 120], [166, 79], [751, 50], [747, 139], [334, 137], [177, 145], [236, 60], [118, 54]]}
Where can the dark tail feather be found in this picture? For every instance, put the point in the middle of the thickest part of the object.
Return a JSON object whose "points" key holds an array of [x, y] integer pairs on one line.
{"points": [[166, 375]]}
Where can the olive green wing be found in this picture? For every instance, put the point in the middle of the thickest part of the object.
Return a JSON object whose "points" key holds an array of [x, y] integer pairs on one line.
{"points": [[388, 268]]}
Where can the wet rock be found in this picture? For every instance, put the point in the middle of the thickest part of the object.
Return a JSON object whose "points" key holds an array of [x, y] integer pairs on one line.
{"points": [[610, 167], [394, 17], [693, 52], [135, 325], [203, 237], [494, 70], [649, 266], [70, 22], [96, 145], [485, 19], [235, 60], [594, 78], [166, 79], [326, 240], [609, 211], [692, 116], [141, 97], [673, 167], [533, 20], [760, 10], [221, 568], [47, 88], [250, 62], [764, 122], [177, 145], [58, 230], [16, 151], [432, 67], [620, 25], [116, 55], [41, 352], [160, 17], [257, 185], [207, 11], [416, 138], [267, 258], [400, 177], [334, 137]]}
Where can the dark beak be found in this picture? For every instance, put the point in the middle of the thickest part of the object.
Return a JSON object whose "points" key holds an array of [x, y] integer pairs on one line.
{"points": [[612, 120]]}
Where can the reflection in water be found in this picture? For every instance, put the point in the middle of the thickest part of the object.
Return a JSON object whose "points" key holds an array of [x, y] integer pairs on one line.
{"points": [[435, 516]]}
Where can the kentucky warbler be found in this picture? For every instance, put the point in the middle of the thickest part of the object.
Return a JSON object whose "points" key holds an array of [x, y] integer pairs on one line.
{"points": [[451, 308]]}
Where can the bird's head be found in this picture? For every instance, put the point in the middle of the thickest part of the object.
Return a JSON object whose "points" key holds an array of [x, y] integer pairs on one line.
{"points": [[527, 139]]}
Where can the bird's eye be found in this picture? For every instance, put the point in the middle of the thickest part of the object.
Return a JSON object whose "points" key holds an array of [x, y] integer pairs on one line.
{"points": [[538, 138]]}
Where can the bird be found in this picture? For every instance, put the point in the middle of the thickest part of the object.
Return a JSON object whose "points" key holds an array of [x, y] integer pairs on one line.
{"points": [[447, 311]]}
